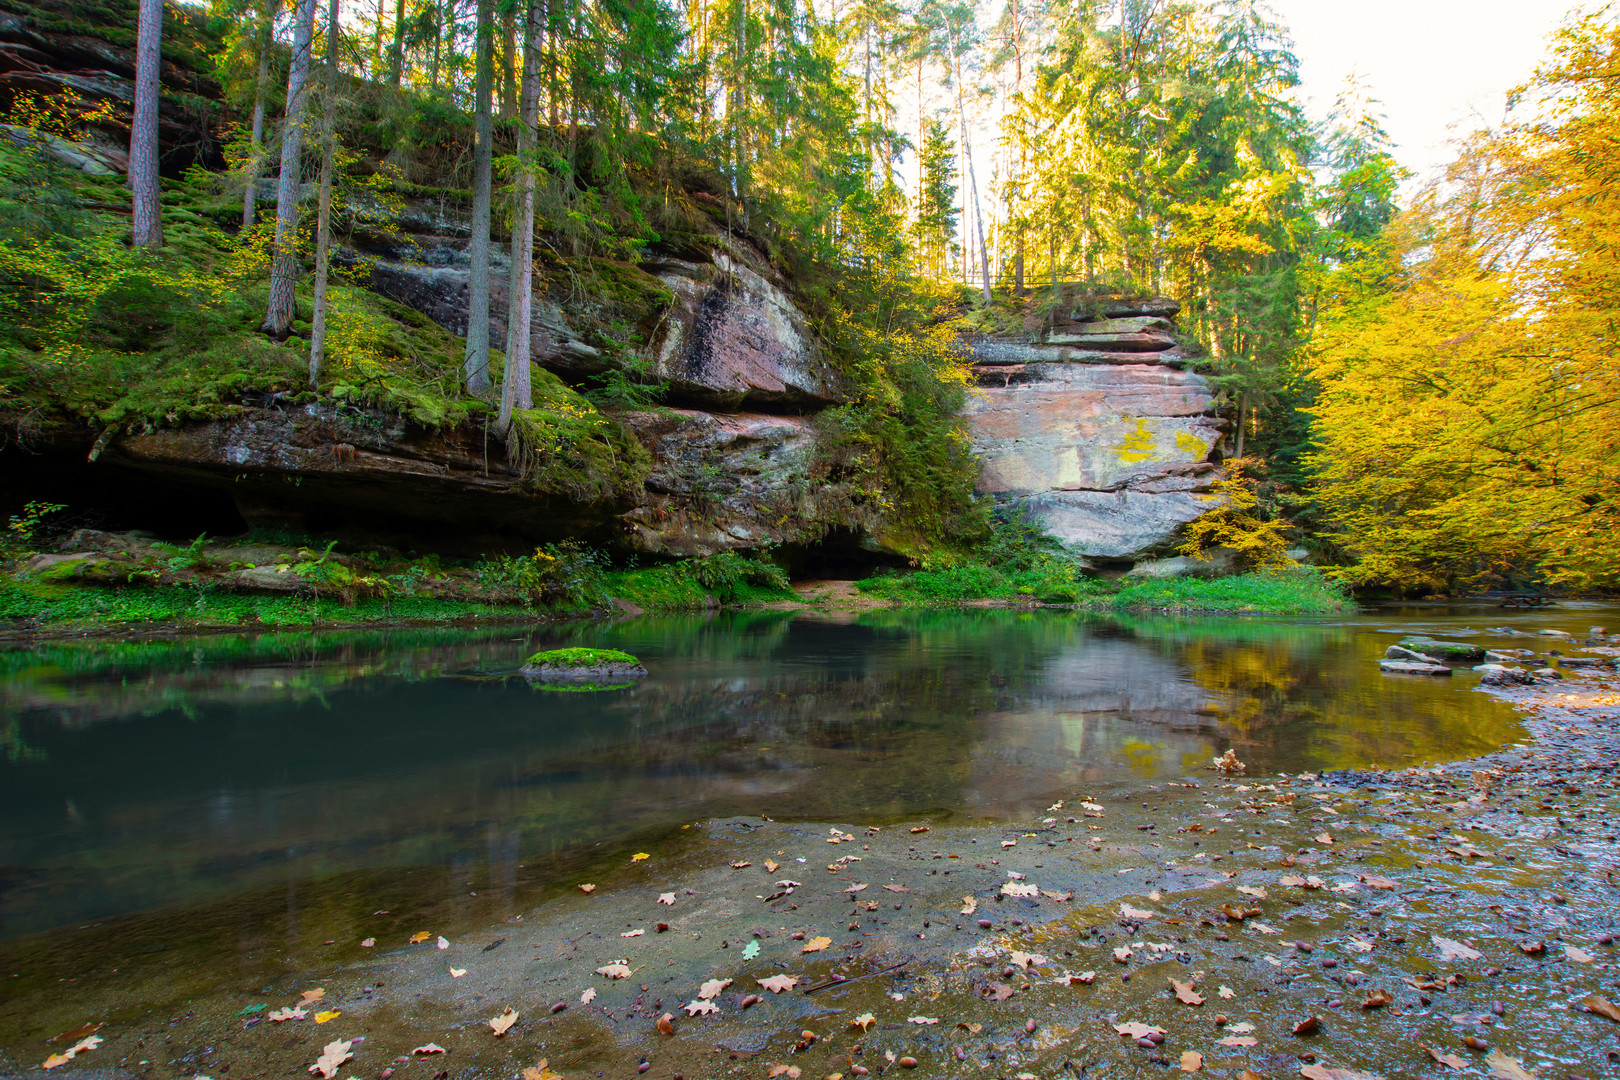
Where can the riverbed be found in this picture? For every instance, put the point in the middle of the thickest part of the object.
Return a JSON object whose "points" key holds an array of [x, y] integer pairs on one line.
{"points": [[196, 827]]}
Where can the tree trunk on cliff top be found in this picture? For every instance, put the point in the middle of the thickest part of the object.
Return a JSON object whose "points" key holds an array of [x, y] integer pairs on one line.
{"points": [[515, 387], [284, 249], [477, 357], [147, 228], [323, 214], [264, 38]]}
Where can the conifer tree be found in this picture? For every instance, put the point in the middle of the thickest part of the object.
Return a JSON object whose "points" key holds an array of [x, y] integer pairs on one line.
{"points": [[147, 219]]}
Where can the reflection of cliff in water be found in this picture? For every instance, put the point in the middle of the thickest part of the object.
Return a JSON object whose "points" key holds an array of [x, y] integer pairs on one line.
{"points": [[245, 762]]}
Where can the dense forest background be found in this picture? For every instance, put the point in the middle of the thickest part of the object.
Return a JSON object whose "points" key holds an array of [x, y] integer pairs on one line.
{"points": [[1425, 395]]}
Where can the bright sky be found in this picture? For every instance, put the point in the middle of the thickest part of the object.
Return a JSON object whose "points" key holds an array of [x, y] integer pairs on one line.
{"points": [[1433, 63]]}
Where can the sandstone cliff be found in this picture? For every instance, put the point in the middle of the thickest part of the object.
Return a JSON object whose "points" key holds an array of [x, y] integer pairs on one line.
{"points": [[1097, 430]]}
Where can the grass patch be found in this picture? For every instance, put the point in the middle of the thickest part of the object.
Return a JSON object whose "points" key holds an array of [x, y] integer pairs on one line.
{"points": [[1299, 591]]}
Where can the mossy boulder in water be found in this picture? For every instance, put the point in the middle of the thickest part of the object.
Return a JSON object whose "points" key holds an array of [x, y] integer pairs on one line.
{"points": [[1450, 651], [596, 668]]}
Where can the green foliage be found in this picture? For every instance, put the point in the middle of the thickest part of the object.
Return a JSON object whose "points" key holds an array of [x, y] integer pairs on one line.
{"points": [[727, 575], [568, 575], [24, 525]]}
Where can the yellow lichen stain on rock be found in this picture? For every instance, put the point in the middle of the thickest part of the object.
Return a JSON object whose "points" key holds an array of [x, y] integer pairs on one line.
{"points": [[1138, 445], [1188, 443]]}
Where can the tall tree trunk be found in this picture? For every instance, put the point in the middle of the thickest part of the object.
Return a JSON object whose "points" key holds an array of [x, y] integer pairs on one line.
{"points": [[284, 248], [509, 92], [147, 230], [515, 387], [396, 51], [476, 364], [323, 214], [973, 183], [261, 88]]}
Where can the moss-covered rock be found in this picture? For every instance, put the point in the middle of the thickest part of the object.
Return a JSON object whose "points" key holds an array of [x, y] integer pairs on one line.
{"points": [[602, 669]]}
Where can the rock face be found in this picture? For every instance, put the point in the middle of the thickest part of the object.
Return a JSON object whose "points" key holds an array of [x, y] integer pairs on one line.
{"points": [[1098, 432]]}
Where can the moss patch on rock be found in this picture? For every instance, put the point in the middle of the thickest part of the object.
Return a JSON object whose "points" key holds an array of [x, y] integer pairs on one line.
{"points": [[586, 669]]}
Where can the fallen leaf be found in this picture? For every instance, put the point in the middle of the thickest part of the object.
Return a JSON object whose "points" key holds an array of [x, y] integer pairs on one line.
{"points": [[422, 935], [1532, 948], [640, 856], [368, 943], [856, 888], [1250, 890], [1322, 1072], [1239, 1040], [1238, 913], [922, 1020], [333, 1055], [1291, 881], [816, 944], [1009, 843], [666, 1024], [667, 899], [970, 904], [919, 829], [1122, 954], [456, 973], [430, 1048], [587, 889], [1185, 993], [588, 996], [789, 1071], [1508, 1068], [700, 1008], [1323, 838], [310, 996], [897, 888], [751, 951], [1085, 978], [1134, 912], [1135, 1030], [1580, 956], [294, 1013], [55, 1060], [1308, 1026], [1028, 960], [541, 1071], [1191, 1061], [633, 933], [1455, 950], [1378, 883], [1226, 993], [615, 971], [999, 991], [712, 988], [741, 865], [443, 944], [1019, 888], [323, 1017], [503, 1023], [863, 1022], [1453, 1060], [1242, 1029], [776, 984], [772, 866], [1601, 1005], [90, 1029]]}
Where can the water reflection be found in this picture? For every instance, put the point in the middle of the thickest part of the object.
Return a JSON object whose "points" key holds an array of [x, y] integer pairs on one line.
{"points": [[141, 775]]}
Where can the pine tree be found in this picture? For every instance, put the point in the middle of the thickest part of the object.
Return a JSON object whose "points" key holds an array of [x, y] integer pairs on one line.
{"points": [[476, 365], [284, 249], [323, 215], [147, 219]]}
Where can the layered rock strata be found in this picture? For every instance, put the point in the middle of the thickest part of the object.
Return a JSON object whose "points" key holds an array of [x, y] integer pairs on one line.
{"points": [[1098, 431]]}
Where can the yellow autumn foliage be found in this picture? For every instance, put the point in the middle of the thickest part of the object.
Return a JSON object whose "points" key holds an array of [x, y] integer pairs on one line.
{"points": [[1468, 426]]}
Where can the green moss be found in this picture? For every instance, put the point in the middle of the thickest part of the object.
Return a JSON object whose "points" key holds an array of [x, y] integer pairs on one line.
{"points": [[579, 658]]}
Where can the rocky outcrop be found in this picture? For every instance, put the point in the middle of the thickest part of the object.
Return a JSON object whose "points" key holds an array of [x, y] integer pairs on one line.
{"points": [[1097, 430]]}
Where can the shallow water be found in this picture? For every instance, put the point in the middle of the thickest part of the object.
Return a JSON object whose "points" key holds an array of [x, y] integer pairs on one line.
{"points": [[248, 775]]}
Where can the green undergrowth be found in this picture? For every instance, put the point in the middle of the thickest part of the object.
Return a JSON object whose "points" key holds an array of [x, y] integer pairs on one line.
{"points": [[1293, 592], [99, 336]]}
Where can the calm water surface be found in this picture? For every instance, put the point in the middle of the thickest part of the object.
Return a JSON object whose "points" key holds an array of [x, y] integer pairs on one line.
{"points": [[251, 779]]}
